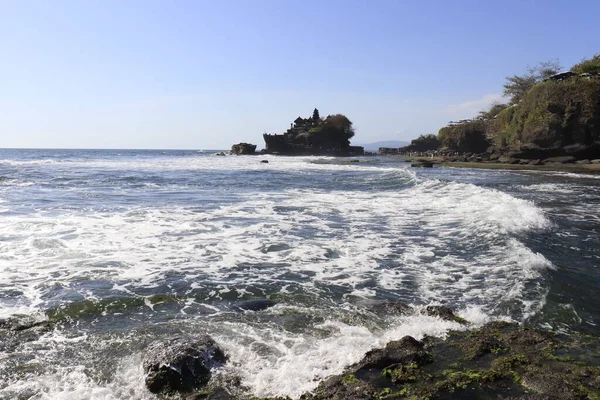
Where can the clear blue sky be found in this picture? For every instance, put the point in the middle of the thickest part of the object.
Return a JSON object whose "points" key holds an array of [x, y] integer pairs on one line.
{"points": [[207, 74]]}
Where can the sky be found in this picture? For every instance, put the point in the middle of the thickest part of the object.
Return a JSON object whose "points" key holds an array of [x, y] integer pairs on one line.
{"points": [[207, 74]]}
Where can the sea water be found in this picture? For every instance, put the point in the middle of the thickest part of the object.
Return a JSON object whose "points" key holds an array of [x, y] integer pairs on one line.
{"points": [[119, 248]]}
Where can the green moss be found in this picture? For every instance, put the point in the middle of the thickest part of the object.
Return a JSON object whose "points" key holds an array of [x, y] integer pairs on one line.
{"points": [[384, 393], [350, 379]]}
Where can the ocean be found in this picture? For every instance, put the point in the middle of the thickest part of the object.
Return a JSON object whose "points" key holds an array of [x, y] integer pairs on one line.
{"points": [[118, 248]]}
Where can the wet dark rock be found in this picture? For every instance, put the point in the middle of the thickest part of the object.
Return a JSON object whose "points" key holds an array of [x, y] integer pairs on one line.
{"points": [[586, 161], [536, 162], [15, 331], [582, 151], [422, 164], [533, 152], [404, 351], [387, 307], [499, 360], [443, 312], [255, 304], [243, 148], [346, 387], [264, 161], [17, 325], [181, 364], [274, 247], [560, 160], [508, 160]]}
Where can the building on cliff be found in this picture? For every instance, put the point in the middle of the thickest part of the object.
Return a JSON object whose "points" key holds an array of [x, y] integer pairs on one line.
{"points": [[315, 136]]}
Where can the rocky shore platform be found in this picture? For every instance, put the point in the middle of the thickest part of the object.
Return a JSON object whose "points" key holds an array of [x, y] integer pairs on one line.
{"points": [[499, 360], [573, 168]]}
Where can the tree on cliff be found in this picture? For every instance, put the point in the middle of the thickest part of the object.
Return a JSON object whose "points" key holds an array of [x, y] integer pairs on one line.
{"points": [[467, 137], [316, 116], [588, 66], [423, 143], [334, 132], [517, 85], [492, 112]]}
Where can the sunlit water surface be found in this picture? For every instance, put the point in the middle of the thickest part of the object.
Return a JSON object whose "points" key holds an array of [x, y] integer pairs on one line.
{"points": [[124, 247]]}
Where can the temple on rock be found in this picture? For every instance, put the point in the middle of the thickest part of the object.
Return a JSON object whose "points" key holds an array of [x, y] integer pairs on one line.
{"points": [[315, 136]]}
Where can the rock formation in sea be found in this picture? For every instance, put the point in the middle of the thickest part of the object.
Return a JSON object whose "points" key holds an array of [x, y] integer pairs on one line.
{"points": [[243, 148], [315, 136]]}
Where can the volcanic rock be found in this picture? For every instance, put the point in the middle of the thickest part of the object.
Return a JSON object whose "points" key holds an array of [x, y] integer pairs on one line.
{"points": [[243, 148], [181, 364]]}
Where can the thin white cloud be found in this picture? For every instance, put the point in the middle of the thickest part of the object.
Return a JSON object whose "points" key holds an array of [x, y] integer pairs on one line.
{"points": [[470, 108]]}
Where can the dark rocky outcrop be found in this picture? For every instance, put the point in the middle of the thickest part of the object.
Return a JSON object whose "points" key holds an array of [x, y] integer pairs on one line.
{"points": [[499, 360], [422, 164], [443, 312], [404, 351], [560, 160], [181, 364], [243, 148], [255, 305], [315, 136], [386, 307], [15, 331]]}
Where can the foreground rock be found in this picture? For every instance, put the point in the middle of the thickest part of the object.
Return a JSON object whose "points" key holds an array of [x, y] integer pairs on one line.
{"points": [[181, 364], [499, 360], [422, 164], [444, 313], [16, 331]]}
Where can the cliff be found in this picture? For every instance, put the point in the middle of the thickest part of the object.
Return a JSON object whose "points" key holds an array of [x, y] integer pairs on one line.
{"points": [[549, 114]]}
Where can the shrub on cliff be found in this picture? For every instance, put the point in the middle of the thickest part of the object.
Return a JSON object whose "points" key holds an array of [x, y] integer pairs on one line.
{"points": [[335, 132], [588, 66], [423, 143], [467, 137], [551, 114], [492, 112], [517, 85]]}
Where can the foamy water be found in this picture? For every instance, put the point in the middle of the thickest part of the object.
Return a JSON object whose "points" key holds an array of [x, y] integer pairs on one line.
{"points": [[121, 248]]}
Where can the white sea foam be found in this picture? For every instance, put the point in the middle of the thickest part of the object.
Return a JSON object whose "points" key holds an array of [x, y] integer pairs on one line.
{"points": [[430, 242], [74, 383], [296, 363]]}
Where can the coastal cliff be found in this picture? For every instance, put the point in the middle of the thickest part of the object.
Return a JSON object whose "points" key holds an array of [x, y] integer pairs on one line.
{"points": [[548, 114]]}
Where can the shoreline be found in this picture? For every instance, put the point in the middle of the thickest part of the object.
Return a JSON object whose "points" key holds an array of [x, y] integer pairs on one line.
{"points": [[590, 169]]}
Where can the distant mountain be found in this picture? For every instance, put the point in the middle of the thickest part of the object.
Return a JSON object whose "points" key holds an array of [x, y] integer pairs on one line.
{"points": [[385, 143]]}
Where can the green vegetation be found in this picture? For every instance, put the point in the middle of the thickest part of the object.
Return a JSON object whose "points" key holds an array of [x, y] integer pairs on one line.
{"points": [[350, 379], [516, 86], [543, 111], [423, 143], [466, 137], [313, 135], [552, 113], [588, 66], [335, 131]]}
